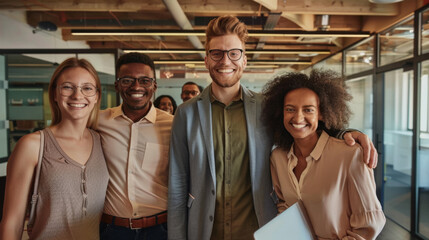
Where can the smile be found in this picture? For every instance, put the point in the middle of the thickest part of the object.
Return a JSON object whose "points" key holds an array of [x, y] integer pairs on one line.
{"points": [[137, 95], [225, 70], [299, 126], [77, 105]]}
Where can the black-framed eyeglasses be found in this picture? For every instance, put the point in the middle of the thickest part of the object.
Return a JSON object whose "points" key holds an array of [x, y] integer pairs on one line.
{"points": [[192, 93], [87, 89], [143, 81], [233, 54]]}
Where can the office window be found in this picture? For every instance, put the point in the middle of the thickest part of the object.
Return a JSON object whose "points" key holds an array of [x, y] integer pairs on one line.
{"points": [[397, 143], [425, 31], [397, 43], [360, 57], [423, 152], [361, 104], [333, 63]]}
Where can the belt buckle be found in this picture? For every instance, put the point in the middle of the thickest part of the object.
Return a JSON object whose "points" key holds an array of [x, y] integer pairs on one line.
{"points": [[131, 224]]}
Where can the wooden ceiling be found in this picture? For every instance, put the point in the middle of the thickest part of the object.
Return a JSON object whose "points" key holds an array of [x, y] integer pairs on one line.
{"points": [[346, 16]]}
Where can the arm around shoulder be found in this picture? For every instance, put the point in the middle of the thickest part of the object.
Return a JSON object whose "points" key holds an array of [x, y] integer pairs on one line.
{"points": [[20, 170]]}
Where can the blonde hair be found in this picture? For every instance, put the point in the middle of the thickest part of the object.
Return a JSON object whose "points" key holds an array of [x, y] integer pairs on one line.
{"points": [[67, 64], [225, 25]]}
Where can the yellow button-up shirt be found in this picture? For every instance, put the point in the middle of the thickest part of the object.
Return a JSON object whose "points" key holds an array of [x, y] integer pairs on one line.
{"points": [[137, 159]]}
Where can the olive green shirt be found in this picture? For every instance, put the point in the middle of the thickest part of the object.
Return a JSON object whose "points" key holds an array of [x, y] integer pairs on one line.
{"points": [[235, 216]]}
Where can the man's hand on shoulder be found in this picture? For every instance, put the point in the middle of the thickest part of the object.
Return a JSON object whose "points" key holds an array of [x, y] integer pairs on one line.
{"points": [[370, 155]]}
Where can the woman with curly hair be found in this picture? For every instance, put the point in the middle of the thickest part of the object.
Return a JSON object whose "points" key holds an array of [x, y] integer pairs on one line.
{"points": [[328, 176]]}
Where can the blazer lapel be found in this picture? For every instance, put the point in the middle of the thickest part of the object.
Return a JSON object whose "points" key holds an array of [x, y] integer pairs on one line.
{"points": [[250, 111], [205, 114]]}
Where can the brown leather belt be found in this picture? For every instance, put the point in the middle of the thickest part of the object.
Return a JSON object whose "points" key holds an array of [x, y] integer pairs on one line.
{"points": [[135, 223]]}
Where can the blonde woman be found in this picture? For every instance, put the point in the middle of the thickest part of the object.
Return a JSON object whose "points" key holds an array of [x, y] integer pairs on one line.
{"points": [[74, 176]]}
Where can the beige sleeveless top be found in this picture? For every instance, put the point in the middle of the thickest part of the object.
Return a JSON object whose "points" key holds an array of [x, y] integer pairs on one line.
{"points": [[71, 195]]}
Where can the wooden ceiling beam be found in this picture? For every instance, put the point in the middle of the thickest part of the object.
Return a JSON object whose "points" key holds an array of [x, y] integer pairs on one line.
{"points": [[270, 4], [332, 7], [305, 21], [215, 7], [85, 5]]}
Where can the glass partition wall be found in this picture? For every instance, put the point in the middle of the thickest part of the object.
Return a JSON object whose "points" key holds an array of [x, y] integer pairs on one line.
{"points": [[388, 77], [423, 153], [397, 157], [28, 76], [362, 104]]}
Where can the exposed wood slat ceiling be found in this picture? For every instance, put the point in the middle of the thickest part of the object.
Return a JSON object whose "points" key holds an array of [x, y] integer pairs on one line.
{"points": [[344, 15]]}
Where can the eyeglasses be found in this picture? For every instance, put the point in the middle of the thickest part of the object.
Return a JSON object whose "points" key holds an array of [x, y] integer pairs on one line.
{"points": [[143, 81], [87, 89], [193, 93], [233, 54]]}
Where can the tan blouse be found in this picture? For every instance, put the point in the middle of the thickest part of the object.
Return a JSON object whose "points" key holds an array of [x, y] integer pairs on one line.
{"points": [[336, 188]]}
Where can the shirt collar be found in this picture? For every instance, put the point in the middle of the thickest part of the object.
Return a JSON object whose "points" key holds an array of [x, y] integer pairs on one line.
{"points": [[150, 116], [236, 98], [318, 149]]}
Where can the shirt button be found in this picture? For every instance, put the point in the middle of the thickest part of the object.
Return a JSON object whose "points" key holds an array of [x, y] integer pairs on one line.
{"points": [[211, 218]]}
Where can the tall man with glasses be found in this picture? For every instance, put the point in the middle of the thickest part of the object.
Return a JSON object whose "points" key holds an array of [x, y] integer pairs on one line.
{"points": [[135, 139], [219, 181]]}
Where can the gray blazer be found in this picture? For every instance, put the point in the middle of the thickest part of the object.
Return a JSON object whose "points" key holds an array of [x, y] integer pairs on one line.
{"points": [[192, 178]]}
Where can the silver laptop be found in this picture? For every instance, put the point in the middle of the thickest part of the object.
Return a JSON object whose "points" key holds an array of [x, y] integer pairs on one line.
{"points": [[292, 224]]}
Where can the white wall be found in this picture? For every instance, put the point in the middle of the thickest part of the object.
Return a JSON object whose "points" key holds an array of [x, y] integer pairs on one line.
{"points": [[15, 33]]}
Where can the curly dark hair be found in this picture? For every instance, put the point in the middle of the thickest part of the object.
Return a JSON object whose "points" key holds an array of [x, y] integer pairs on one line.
{"points": [[157, 102], [329, 87]]}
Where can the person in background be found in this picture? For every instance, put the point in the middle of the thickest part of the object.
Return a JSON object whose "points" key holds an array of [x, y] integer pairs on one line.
{"points": [[190, 90], [135, 138], [74, 176], [219, 181], [327, 175], [166, 103]]}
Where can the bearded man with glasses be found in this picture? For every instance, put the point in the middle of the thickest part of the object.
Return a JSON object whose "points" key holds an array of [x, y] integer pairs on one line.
{"points": [[135, 139], [219, 181], [190, 90]]}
